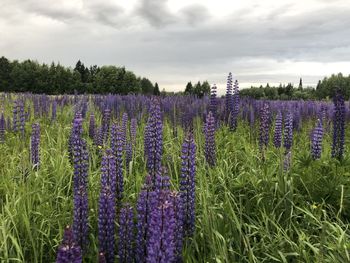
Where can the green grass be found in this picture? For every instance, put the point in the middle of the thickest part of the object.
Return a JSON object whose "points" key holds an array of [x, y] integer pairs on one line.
{"points": [[248, 209]]}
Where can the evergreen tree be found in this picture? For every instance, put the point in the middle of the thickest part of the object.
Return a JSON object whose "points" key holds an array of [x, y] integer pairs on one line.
{"points": [[156, 90]]}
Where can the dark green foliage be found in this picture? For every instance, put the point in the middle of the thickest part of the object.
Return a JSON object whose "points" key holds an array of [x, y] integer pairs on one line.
{"points": [[30, 76], [189, 88], [324, 89], [156, 90], [199, 89], [328, 86], [282, 92], [146, 86]]}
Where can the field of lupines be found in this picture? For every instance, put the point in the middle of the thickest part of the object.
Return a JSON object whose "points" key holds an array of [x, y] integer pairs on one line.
{"points": [[108, 178]]}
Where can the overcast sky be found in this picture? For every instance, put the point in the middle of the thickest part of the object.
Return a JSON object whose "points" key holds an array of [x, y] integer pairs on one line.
{"points": [[175, 41]]}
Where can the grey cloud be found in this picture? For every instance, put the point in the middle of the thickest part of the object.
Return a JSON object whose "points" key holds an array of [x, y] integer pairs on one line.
{"points": [[172, 51], [53, 10], [106, 13], [155, 12], [195, 14]]}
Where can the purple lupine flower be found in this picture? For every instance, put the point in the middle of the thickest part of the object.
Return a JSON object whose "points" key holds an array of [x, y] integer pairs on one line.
{"points": [[187, 184], [145, 203], [316, 140], [35, 145], [277, 137], [235, 110], [2, 128], [213, 104], [154, 140], [133, 130], [161, 246], [84, 107], [98, 137], [107, 211], [80, 163], [264, 126], [228, 98], [126, 234], [176, 200], [54, 110], [69, 251], [338, 126], [124, 128], [117, 150], [210, 147], [106, 118], [92, 126], [162, 182], [288, 131]]}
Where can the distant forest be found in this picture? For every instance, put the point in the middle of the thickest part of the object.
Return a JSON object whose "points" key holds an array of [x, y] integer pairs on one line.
{"points": [[325, 89], [31, 76]]}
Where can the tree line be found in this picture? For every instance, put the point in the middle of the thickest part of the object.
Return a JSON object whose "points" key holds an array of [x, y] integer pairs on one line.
{"points": [[199, 89], [325, 89], [31, 76]]}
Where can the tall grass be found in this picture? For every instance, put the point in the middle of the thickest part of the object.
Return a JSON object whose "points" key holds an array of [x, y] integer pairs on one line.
{"points": [[248, 209]]}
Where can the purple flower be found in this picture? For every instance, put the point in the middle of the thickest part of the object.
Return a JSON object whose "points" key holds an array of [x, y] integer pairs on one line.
{"points": [[98, 137], [124, 128], [107, 211], [209, 133], [176, 200], [154, 139], [235, 109], [69, 251], [338, 126], [117, 150], [162, 181], [316, 140], [213, 103], [228, 98], [187, 184], [35, 145], [264, 126], [288, 132], [145, 203], [161, 245], [277, 138], [126, 234], [80, 163], [106, 118]]}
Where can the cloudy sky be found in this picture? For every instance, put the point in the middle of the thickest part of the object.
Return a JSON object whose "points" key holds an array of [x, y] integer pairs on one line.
{"points": [[175, 41]]}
